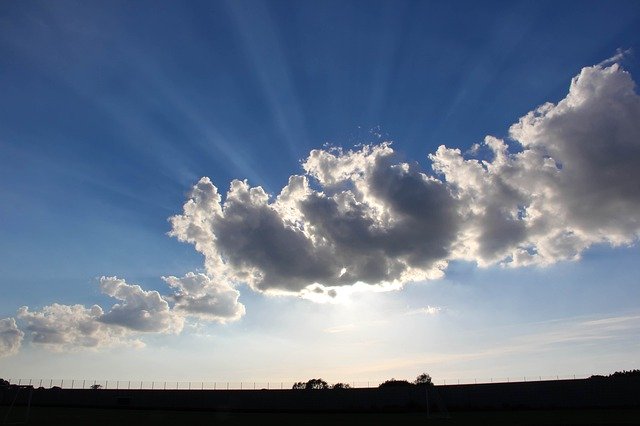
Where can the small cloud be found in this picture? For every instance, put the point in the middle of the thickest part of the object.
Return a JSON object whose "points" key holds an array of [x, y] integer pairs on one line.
{"points": [[10, 337], [196, 295], [619, 56], [69, 327], [139, 309], [427, 310]]}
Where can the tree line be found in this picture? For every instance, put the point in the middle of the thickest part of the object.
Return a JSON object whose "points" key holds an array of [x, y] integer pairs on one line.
{"points": [[423, 379]]}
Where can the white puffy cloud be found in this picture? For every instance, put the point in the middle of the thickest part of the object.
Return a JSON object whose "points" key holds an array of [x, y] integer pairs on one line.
{"points": [[568, 181], [67, 327], [10, 337], [198, 296], [376, 220], [139, 310], [571, 183]]}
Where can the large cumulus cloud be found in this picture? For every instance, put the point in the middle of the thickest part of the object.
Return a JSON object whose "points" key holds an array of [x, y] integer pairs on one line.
{"points": [[375, 220], [567, 179], [573, 181]]}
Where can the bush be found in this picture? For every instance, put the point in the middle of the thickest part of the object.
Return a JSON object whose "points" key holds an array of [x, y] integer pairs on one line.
{"points": [[311, 384], [423, 379], [625, 373], [341, 386], [393, 383]]}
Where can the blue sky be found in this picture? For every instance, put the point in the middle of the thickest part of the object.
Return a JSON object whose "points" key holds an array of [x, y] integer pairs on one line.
{"points": [[112, 111]]}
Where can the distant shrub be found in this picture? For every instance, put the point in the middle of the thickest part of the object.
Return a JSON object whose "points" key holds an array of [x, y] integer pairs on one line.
{"points": [[617, 374], [423, 379], [311, 384], [95, 387], [393, 383], [4, 382], [625, 373], [341, 386]]}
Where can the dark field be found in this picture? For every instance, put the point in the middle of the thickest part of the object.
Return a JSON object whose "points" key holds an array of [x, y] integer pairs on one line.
{"points": [[94, 416]]}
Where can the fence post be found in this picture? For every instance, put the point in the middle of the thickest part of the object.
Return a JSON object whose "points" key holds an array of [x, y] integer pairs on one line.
{"points": [[72, 382], [129, 385], [40, 385], [227, 385]]}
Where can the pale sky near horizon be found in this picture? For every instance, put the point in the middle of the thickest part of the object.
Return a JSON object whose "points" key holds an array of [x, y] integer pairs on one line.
{"points": [[272, 191]]}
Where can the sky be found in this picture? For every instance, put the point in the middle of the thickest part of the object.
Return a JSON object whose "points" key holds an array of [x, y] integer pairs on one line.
{"points": [[274, 191]]}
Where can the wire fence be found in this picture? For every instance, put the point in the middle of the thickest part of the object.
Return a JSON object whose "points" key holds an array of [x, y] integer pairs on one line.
{"points": [[248, 385]]}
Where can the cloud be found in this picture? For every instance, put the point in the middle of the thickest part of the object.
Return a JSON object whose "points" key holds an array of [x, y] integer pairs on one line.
{"points": [[376, 220], [198, 296], [139, 310], [427, 310], [567, 181], [67, 327], [571, 182], [10, 337]]}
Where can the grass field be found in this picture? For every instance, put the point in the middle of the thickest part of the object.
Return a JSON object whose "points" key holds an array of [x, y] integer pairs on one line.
{"points": [[90, 416]]}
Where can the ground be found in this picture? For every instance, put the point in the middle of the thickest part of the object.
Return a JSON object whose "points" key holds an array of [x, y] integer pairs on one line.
{"points": [[88, 416]]}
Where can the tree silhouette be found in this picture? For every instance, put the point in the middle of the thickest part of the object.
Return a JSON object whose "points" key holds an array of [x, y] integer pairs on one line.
{"points": [[341, 386], [423, 379], [311, 384], [392, 383]]}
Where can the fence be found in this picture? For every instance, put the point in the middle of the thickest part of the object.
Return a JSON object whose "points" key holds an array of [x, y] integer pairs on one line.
{"points": [[226, 385]]}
